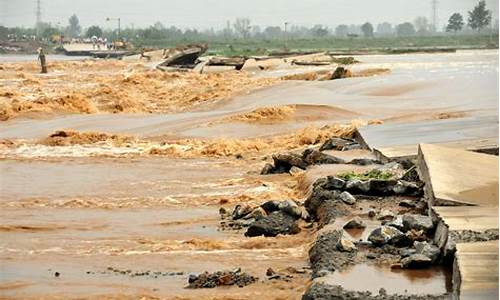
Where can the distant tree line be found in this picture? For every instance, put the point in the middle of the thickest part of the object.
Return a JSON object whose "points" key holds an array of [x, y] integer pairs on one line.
{"points": [[479, 18]]}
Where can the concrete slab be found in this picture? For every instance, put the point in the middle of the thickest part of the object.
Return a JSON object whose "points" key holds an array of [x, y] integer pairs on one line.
{"points": [[475, 218], [401, 140], [458, 177], [476, 271]]}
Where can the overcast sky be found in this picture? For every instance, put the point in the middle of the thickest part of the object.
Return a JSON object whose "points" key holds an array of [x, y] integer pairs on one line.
{"points": [[203, 14]]}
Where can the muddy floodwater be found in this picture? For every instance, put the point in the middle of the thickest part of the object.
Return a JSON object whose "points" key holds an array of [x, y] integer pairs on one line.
{"points": [[104, 220]]}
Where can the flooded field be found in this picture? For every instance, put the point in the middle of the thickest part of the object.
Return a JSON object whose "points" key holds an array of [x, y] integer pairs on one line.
{"points": [[135, 211]]}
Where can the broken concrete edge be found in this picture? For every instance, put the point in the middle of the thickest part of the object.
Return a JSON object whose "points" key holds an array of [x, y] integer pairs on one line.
{"points": [[359, 138], [426, 176]]}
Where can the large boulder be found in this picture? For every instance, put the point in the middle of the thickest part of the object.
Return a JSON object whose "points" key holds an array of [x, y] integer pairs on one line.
{"points": [[417, 222], [338, 144], [273, 224], [291, 208], [284, 162], [385, 235], [314, 157], [428, 250], [333, 183], [357, 186]]}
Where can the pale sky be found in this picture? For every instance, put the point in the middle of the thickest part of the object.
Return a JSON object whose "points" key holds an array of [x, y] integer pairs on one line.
{"points": [[202, 14]]}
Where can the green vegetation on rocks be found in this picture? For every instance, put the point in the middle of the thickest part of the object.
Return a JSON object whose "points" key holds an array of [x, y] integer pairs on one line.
{"points": [[373, 174]]}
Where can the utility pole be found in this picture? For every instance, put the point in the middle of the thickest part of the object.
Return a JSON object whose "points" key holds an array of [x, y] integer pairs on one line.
{"points": [[38, 18], [434, 16], [286, 37]]}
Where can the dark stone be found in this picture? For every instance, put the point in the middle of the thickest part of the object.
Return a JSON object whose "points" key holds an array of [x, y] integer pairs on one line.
{"points": [[416, 261], [324, 291], [333, 183], [385, 235], [324, 255], [357, 186], [364, 161], [220, 278], [382, 187], [272, 225], [314, 157], [338, 144], [291, 208], [417, 222], [240, 211], [428, 250], [268, 169], [355, 223], [405, 252], [271, 206], [284, 162], [408, 203]]}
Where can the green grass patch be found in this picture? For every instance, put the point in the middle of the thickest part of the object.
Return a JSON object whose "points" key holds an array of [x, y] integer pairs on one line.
{"points": [[373, 174]]}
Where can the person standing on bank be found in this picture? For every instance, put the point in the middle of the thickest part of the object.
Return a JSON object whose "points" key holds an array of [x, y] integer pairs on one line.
{"points": [[43, 62]]}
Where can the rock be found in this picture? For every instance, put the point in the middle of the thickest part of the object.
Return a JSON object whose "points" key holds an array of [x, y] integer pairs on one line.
{"points": [[317, 198], [385, 235], [392, 167], [314, 157], [324, 255], [270, 206], [273, 224], [371, 213], [270, 272], [352, 146], [355, 223], [428, 250], [416, 261], [411, 188], [357, 186], [418, 222], [268, 169], [291, 208], [346, 197], [240, 211], [405, 252], [364, 161], [333, 183], [396, 223], [345, 245], [371, 255], [382, 187], [407, 203], [211, 280], [256, 214], [386, 215], [399, 188], [294, 171], [284, 162], [304, 214], [337, 144]]}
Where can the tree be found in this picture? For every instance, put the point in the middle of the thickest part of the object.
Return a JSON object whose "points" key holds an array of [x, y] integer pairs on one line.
{"points": [[384, 29], [319, 30], [405, 29], [455, 23], [272, 32], [94, 31], [242, 26], [479, 17], [367, 29], [342, 30], [421, 25], [74, 28]]}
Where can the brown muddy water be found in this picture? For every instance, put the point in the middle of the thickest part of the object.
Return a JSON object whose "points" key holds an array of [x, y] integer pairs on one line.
{"points": [[115, 222]]}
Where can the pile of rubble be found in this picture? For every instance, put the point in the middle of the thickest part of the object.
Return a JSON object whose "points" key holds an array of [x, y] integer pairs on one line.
{"points": [[269, 219], [220, 278]]}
